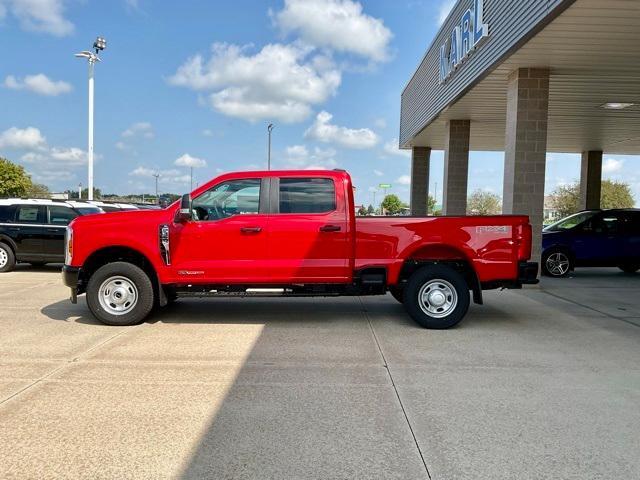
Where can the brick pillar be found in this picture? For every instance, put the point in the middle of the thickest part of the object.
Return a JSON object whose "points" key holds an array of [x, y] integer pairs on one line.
{"points": [[419, 180], [590, 180], [526, 148], [456, 167]]}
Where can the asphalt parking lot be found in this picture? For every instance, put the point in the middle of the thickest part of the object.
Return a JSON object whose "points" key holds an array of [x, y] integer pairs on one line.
{"points": [[541, 383]]}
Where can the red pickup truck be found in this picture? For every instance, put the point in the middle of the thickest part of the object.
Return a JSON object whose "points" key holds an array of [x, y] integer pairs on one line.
{"points": [[290, 233]]}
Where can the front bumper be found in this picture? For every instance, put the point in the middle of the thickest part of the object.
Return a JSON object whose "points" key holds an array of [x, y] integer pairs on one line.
{"points": [[70, 276], [528, 273]]}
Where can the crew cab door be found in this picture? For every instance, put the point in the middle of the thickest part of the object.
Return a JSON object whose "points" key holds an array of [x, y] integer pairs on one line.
{"points": [[226, 241], [308, 234]]}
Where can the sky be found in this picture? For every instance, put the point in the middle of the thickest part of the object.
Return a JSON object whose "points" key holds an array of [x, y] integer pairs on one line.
{"points": [[195, 84]]}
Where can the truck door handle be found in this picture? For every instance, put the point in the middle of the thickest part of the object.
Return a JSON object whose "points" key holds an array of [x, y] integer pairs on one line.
{"points": [[330, 228], [251, 229]]}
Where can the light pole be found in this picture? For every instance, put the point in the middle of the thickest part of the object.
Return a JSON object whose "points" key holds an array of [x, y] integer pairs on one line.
{"points": [[92, 58], [80, 191], [157, 176], [269, 128], [191, 190]]}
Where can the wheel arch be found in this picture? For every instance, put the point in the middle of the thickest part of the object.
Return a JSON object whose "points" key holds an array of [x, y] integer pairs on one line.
{"points": [[441, 254], [8, 241], [121, 253]]}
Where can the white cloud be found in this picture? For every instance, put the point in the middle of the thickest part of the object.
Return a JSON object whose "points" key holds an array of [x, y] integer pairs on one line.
{"points": [[187, 160], [611, 165], [378, 173], [298, 156], [280, 82], [404, 180], [139, 129], [169, 177], [22, 138], [142, 172], [443, 11], [207, 132], [323, 131], [337, 24], [39, 15], [39, 83], [391, 147], [69, 156]]}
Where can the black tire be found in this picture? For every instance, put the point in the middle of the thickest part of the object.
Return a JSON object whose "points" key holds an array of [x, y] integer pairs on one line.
{"points": [[397, 293], [629, 267], [450, 281], [7, 258], [556, 263], [129, 273]]}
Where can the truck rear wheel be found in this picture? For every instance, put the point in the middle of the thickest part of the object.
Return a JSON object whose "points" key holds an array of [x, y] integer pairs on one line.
{"points": [[436, 297], [120, 293]]}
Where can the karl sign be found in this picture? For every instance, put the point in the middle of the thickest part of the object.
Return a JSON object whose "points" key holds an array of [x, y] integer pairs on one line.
{"points": [[464, 39]]}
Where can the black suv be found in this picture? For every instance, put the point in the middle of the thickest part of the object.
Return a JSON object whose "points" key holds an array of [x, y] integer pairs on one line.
{"points": [[33, 231]]}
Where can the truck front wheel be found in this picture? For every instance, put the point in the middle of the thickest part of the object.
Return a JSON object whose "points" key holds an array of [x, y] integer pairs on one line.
{"points": [[120, 293], [436, 296]]}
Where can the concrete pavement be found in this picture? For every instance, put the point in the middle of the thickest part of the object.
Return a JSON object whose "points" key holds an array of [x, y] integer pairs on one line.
{"points": [[542, 383]]}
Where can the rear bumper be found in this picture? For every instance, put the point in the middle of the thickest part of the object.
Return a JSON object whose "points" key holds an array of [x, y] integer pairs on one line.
{"points": [[528, 273], [70, 276]]}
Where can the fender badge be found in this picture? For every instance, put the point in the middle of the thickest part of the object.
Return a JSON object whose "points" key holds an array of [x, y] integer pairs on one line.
{"points": [[190, 272]]}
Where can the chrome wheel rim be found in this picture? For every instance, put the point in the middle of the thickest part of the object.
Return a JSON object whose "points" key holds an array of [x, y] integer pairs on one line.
{"points": [[118, 295], [437, 298], [4, 257], [557, 263]]}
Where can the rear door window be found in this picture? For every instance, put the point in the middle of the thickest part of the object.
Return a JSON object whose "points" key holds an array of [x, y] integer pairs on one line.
{"points": [[28, 214], [307, 195], [59, 215]]}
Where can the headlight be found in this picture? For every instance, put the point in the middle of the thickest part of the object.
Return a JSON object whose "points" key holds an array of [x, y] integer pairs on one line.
{"points": [[68, 246]]}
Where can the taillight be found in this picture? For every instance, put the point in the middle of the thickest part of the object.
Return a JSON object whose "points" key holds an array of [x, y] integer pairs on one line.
{"points": [[68, 246], [523, 241]]}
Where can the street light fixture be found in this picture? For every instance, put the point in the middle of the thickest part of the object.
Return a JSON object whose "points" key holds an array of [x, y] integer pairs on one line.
{"points": [[99, 45]]}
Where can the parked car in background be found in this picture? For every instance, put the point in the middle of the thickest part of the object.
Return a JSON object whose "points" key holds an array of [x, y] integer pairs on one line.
{"points": [[592, 238], [108, 207], [33, 231]]}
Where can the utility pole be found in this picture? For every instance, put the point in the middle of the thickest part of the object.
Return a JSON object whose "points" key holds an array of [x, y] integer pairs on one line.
{"points": [[269, 128]]}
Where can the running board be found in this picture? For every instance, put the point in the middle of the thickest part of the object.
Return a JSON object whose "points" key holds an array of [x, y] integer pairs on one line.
{"points": [[257, 292]]}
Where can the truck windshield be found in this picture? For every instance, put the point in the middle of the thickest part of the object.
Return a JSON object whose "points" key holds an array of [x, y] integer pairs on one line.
{"points": [[570, 221]]}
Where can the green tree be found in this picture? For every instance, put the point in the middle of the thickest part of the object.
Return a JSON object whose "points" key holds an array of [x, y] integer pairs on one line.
{"points": [[370, 210], [362, 211], [391, 204], [483, 203], [565, 199], [38, 190], [431, 205], [616, 195], [14, 181]]}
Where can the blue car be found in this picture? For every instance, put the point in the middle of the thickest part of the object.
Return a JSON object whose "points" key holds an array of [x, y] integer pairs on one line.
{"points": [[592, 238]]}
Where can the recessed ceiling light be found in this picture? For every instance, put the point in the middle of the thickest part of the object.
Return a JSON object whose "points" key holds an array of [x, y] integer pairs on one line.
{"points": [[616, 105]]}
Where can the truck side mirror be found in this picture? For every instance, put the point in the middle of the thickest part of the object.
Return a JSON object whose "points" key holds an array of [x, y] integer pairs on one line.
{"points": [[184, 214]]}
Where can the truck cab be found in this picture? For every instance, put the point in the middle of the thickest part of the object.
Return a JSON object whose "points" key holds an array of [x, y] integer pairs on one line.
{"points": [[290, 233]]}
